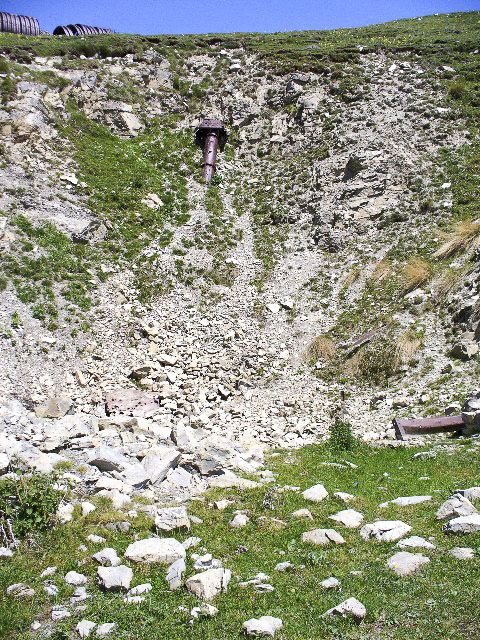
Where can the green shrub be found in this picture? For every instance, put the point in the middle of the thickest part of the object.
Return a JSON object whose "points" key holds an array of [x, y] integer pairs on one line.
{"points": [[29, 502], [341, 436], [457, 89]]}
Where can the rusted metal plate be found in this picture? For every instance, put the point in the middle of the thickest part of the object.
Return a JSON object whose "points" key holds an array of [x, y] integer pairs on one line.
{"points": [[425, 426], [79, 30], [131, 402], [13, 23]]}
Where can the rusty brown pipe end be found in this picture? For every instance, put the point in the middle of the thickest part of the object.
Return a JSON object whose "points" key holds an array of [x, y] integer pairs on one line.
{"points": [[210, 135]]}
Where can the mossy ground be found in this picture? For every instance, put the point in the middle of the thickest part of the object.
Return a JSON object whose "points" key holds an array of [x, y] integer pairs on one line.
{"points": [[438, 602]]}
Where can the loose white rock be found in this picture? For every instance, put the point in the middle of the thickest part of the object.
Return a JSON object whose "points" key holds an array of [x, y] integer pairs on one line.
{"points": [[322, 536], [239, 521], [85, 627], [349, 608], [385, 530], [464, 524], [416, 542], [95, 539], [105, 629], [302, 513], [6, 553], [263, 626], [344, 497], [107, 557], [76, 579], [87, 507], [141, 588], [317, 493], [462, 553], [405, 563], [349, 518], [331, 583], [210, 583], [172, 518], [457, 505], [20, 590], [65, 512], [115, 578], [161, 550], [175, 573], [405, 501]]}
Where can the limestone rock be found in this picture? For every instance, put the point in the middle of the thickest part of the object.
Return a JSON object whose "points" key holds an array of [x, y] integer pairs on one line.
{"points": [[229, 480], [349, 608], [239, 521], [20, 590], [385, 530], [158, 550], [85, 627], [263, 626], [210, 583], [463, 524], [107, 459], [349, 518], [344, 497], [172, 518], [457, 505], [76, 579], [115, 578], [105, 629], [406, 501], [462, 553], [317, 493], [405, 563], [415, 542], [175, 573], [322, 537], [331, 583], [55, 407], [107, 557], [157, 465]]}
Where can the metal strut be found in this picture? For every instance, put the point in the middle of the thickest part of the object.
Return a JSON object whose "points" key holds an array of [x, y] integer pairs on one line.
{"points": [[211, 135]]}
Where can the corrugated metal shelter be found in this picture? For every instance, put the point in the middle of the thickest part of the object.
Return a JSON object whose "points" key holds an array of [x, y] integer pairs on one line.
{"points": [[12, 23], [79, 30]]}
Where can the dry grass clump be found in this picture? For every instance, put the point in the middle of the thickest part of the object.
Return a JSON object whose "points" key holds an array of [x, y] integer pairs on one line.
{"points": [[465, 237], [446, 283], [351, 277], [382, 271], [320, 348], [415, 273], [407, 346]]}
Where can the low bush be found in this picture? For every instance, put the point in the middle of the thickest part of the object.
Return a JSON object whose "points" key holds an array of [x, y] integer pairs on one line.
{"points": [[341, 436], [28, 502]]}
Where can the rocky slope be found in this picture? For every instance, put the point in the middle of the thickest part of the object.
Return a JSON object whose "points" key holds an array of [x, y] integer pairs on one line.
{"points": [[234, 307]]}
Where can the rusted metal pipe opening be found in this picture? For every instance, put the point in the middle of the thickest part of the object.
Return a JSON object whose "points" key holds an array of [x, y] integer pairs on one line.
{"points": [[79, 30], [25, 25], [211, 135]]}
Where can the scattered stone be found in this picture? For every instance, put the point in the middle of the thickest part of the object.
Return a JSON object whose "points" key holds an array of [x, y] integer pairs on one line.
{"points": [[107, 557], [87, 507], [79, 595], [85, 627], [75, 579], [415, 542], [106, 629], [302, 513], [283, 566], [51, 589], [95, 539], [405, 563], [107, 459], [49, 571], [331, 583], [385, 530], [349, 608], [210, 583], [229, 480], [317, 493], [221, 505], [462, 553], [157, 466], [6, 553], [65, 512], [206, 609], [344, 497], [322, 537], [115, 578], [406, 501], [175, 573], [463, 524], [140, 589], [193, 541], [263, 626], [20, 590], [457, 505], [54, 407], [133, 599], [349, 518], [172, 518], [239, 521], [160, 550], [60, 613]]}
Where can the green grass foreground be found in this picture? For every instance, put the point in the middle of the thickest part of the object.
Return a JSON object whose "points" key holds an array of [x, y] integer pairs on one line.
{"points": [[439, 602]]}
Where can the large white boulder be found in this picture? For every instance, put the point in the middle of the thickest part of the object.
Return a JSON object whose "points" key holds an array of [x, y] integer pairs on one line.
{"points": [[263, 626], [317, 493], [208, 584], [405, 563], [160, 550], [348, 608], [385, 530]]}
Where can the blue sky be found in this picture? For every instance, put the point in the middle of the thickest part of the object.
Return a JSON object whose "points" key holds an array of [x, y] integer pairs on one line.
{"points": [[209, 16]]}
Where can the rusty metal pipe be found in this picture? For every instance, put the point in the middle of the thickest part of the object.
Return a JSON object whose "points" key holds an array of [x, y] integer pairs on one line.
{"points": [[210, 155], [211, 136]]}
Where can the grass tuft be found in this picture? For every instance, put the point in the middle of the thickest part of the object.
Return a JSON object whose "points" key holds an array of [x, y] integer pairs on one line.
{"points": [[416, 273], [464, 238]]}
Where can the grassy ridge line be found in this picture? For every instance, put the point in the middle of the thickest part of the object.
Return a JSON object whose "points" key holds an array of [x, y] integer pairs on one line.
{"points": [[457, 31], [398, 608]]}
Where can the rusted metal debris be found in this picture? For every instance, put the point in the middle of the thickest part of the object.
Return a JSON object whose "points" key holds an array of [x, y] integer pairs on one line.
{"points": [[426, 426], [25, 25], [363, 339], [210, 135], [79, 30]]}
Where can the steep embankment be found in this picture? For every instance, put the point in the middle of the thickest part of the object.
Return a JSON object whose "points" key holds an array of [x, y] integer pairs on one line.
{"points": [[348, 156]]}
